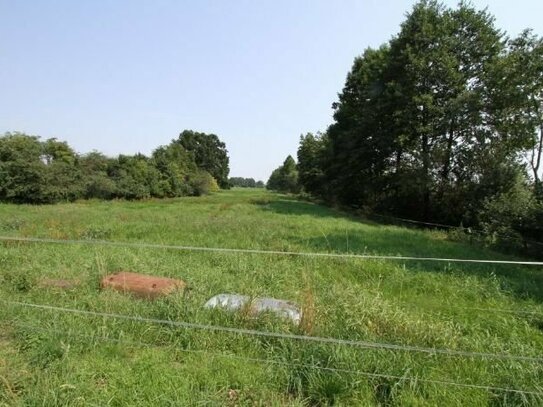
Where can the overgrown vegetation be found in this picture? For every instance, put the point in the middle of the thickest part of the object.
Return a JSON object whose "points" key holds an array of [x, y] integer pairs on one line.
{"points": [[285, 177], [245, 182], [36, 171], [58, 359], [441, 124]]}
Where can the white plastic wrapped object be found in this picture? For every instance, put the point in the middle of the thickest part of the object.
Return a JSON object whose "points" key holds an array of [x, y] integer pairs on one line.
{"points": [[282, 308], [231, 302], [234, 302]]}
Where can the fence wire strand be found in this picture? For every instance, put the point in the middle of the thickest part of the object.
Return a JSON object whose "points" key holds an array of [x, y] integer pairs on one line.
{"points": [[283, 363], [254, 332], [260, 251], [479, 232]]}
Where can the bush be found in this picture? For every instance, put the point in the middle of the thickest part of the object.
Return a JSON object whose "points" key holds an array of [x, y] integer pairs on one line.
{"points": [[203, 183], [507, 217], [285, 178]]}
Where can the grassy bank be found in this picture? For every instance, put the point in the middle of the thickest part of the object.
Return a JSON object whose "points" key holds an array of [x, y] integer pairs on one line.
{"points": [[53, 358]]}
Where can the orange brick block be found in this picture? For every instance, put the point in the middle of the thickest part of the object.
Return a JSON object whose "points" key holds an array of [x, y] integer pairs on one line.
{"points": [[142, 285]]}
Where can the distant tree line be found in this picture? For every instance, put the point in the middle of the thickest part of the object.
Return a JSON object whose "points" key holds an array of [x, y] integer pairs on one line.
{"points": [[37, 171], [443, 123], [245, 182]]}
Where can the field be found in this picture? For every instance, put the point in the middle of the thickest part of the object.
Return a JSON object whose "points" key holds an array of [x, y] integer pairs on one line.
{"points": [[56, 358]]}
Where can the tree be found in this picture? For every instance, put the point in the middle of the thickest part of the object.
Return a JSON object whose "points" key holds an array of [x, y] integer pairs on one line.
{"points": [[311, 163], [63, 180], [32, 171], [94, 168], [285, 178], [441, 65], [130, 174], [175, 166], [209, 154], [433, 124], [242, 182], [357, 148], [202, 183], [21, 168], [521, 83], [510, 215]]}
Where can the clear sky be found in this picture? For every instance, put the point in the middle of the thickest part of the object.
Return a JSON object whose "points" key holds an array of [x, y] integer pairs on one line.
{"points": [[127, 76]]}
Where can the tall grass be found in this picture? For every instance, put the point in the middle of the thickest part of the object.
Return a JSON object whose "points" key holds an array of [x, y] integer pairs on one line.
{"points": [[52, 358]]}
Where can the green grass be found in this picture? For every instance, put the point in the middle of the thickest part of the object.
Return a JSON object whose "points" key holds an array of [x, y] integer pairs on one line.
{"points": [[49, 358]]}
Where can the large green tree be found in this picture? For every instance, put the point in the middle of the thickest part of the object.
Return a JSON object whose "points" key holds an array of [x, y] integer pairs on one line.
{"points": [[285, 177], [440, 68], [97, 183], [312, 161], [37, 171], [22, 171], [175, 166], [209, 153], [433, 125], [63, 180], [360, 142], [521, 85]]}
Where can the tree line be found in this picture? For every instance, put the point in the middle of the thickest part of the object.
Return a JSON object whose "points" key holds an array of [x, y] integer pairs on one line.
{"points": [[441, 124], [37, 171], [245, 182]]}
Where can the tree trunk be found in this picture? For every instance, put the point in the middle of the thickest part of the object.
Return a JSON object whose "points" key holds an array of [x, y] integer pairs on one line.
{"points": [[426, 176], [537, 155], [536, 165], [398, 161], [448, 156]]}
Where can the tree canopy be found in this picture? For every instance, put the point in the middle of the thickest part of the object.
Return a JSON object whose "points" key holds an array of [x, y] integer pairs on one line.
{"points": [[36, 171], [285, 177], [209, 154], [245, 182], [443, 123]]}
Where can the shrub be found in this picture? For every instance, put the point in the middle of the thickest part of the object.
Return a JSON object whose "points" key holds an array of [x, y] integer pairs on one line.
{"points": [[203, 183]]}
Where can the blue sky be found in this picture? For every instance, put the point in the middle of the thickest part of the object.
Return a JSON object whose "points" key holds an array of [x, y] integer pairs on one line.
{"points": [[128, 76]]}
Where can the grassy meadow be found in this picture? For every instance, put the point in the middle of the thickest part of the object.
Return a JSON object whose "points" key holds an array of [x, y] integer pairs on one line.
{"points": [[50, 358]]}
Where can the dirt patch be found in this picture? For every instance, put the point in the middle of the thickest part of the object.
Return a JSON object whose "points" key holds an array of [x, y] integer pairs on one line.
{"points": [[141, 285]]}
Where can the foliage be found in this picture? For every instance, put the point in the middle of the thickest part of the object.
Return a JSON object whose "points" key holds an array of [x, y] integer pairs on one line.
{"points": [[21, 168], [134, 177], [510, 216], [285, 177], [203, 183], [434, 124], [97, 183], [209, 154], [175, 165], [245, 182], [35, 171], [522, 83], [312, 154]]}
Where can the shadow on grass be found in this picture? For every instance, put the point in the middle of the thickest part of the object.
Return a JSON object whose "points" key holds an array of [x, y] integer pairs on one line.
{"points": [[523, 281], [286, 206]]}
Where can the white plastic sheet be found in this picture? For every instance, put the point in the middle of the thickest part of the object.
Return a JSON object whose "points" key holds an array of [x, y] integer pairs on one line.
{"points": [[234, 302]]}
